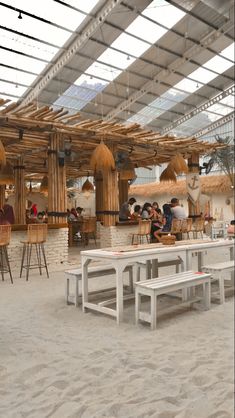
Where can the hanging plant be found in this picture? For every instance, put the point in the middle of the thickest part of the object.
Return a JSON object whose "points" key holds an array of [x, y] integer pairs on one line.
{"points": [[168, 174], [179, 165], [44, 185], [2, 154], [102, 158], [7, 174], [87, 186]]}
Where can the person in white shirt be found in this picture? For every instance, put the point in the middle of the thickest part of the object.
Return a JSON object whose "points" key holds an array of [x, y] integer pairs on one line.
{"points": [[177, 210]]}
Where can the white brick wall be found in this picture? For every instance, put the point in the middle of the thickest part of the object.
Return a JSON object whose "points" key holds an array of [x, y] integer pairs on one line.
{"points": [[56, 248], [112, 236]]}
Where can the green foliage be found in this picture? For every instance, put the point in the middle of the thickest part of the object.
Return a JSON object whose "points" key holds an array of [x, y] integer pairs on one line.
{"points": [[224, 157]]}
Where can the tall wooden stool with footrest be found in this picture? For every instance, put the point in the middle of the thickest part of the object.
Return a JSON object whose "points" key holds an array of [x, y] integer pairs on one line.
{"points": [[36, 236], [5, 236]]}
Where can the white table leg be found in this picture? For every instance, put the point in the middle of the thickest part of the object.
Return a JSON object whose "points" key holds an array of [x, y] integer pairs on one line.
{"points": [[76, 291], [221, 287], [207, 295], [85, 263], [137, 305], [119, 291], [153, 311]]}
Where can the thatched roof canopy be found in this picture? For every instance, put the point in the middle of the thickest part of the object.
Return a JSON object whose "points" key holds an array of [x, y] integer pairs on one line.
{"points": [[26, 131], [209, 185]]}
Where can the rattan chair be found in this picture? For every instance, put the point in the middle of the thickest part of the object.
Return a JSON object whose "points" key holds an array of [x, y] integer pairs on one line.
{"points": [[144, 231], [5, 236], [186, 226], [88, 229], [198, 227], [36, 236]]}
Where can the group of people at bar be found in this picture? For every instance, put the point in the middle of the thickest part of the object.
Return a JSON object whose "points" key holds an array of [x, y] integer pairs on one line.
{"points": [[161, 218]]}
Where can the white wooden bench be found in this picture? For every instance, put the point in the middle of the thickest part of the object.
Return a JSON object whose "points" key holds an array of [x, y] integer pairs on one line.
{"points": [[166, 284], [217, 271], [93, 272]]}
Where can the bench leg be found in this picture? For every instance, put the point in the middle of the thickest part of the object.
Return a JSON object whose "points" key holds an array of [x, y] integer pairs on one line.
{"points": [[131, 285], [153, 311], [138, 273], [137, 305], [76, 291], [221, 288], [207, 295], [67, 291]]}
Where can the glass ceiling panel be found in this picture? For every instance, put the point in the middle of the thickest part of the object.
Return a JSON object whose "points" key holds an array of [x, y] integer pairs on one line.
{"points": [[229, 52], [54, 12], [33, 27], [85, 5], [15, 76], [162, 12], [80, 95], [129, 45], [116, 58], [10, 88], [21, 62], [188, 86], [27, 46], [8, 96], [228, 101], [224, 107]]}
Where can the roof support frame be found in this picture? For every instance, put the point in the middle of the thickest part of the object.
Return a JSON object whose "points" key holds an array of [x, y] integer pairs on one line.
{"points": [[215, 125], [67, 55], [207, 40], [199, 109]]}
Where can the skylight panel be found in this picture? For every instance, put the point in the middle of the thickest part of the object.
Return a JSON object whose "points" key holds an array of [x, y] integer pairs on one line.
{"points": [[130, 45], [187, 85], [90, 81], [15, 76], [220, 108], [52, 11], [211, 116], [218, 63], [85, 5], [146, 30], [22, 62], [103, 71], [116, 58], [9, 88], [33, 27], [229, 52], [162, 12], [27, 46], [9, 96], [228, 101]]}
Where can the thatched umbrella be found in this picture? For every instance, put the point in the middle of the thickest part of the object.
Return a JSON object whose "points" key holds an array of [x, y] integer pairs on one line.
{"points": [[168, 174], [102, 158], [6, 174]]}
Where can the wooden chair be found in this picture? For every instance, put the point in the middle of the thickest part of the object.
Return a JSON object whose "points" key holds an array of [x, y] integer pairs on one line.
{"points": [[187, 226], [36, 235], [5, 236], [143, 232], [88, 229], [198, 227]]}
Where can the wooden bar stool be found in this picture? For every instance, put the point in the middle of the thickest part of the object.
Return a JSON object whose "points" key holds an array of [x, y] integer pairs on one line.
{"points": [[5, 236], [36, 235]]}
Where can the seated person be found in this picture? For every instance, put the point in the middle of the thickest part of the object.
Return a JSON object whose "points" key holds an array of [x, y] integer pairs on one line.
{"points": [[177, 210], [125, 211], [79, 212], [73, 215], [231, 228], [167, 217], [137, 213], [147, 212]]}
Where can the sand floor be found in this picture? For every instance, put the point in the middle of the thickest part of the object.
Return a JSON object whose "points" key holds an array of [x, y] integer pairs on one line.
{"points": [[57, 362]]}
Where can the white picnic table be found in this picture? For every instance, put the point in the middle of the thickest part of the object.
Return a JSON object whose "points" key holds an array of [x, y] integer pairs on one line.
{"points": [[120, 257]]}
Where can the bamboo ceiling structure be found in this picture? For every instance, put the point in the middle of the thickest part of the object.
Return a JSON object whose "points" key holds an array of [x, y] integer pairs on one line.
{"points": [[25, 131]]}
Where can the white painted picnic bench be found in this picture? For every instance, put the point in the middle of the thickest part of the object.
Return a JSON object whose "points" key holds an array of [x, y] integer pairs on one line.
{"points": [[166, 284], [94, 272], [217, 271], [157, 263]]}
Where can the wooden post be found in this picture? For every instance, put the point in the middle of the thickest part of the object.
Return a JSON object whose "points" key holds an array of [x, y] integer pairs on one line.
{"points": [[99, 196], [193, 164], [123, 191], [20, 202], [110, 195], [2, 195], [57, 196]]}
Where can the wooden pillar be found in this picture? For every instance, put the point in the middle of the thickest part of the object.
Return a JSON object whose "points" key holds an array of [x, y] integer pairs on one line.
{"points": [[20, 202], [99, 196], [123, 191], [193, 164], [2, 195], [57, 196], [110, 198]]}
